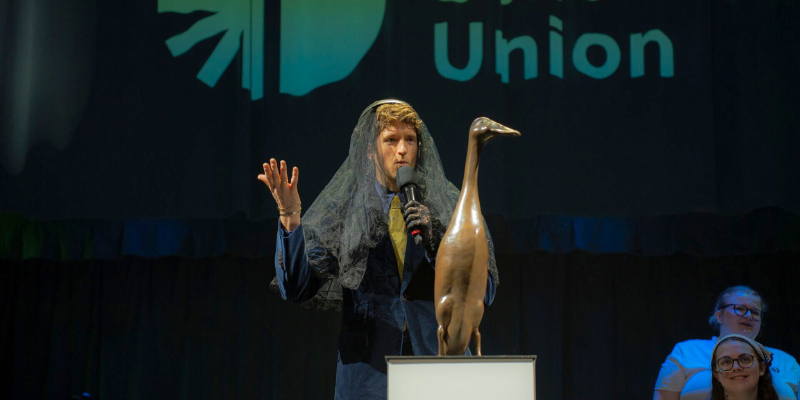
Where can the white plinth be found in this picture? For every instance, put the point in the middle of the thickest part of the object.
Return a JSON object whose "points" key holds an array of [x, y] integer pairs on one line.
{"points": [[461, 377]]}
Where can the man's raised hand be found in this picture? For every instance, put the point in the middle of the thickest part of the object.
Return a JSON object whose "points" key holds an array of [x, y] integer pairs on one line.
{"points": [[283, 191]]}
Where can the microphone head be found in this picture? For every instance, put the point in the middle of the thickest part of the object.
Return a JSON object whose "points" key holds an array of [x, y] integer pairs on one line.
{"points": [[405, 176]]}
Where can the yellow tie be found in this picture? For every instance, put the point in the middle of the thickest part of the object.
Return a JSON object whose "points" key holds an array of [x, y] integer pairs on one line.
{"points": [[397, 231]]}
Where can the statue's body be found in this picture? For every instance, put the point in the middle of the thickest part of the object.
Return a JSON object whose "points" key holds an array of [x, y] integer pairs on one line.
{"points": [[461, 271]]}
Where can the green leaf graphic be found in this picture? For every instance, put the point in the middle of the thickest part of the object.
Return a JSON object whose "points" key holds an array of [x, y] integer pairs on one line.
{"points": [[321, 41], [240, 20]]}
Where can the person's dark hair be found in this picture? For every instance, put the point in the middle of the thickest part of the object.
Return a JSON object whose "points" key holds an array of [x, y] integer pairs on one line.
{"points": [[722, 299], [765, 389]]}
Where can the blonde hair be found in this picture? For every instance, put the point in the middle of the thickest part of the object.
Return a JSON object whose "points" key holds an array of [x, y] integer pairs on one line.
{"points": [[388, 114]]}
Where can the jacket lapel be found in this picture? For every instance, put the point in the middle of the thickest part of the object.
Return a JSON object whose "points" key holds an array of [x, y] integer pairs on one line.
{"points": [[414, 255]]}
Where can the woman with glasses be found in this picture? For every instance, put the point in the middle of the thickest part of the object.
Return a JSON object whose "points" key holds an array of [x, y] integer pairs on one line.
{"points": [[741, 370], [686, 375]]}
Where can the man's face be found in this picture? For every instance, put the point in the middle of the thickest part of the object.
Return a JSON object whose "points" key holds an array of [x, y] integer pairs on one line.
{"points": [[396, 147]]}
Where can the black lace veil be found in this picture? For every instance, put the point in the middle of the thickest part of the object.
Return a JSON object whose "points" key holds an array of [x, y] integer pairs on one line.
{"points": [[347, 219]]}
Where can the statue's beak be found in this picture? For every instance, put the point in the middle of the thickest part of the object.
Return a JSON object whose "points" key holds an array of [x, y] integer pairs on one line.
{"points": [[501, 129]]}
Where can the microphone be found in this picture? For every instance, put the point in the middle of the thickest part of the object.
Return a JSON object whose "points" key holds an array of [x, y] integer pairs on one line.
{"points": [[407, 181]]}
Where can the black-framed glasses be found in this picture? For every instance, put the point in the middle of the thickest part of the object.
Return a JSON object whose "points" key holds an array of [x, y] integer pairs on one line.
{"points": [[741, 311], [726, 363]]}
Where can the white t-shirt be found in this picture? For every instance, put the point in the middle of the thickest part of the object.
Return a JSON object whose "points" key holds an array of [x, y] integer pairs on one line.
{"points": [[688, 370]]}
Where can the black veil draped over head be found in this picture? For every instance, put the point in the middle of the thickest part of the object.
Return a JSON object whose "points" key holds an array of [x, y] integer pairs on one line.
{"points": [[347, 219]]}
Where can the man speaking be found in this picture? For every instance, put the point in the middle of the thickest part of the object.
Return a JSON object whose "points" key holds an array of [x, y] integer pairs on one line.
{"points": [[352, 250]]}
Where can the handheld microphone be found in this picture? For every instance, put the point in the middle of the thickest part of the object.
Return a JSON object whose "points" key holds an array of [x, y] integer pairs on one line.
{"points": [[407, 181]]}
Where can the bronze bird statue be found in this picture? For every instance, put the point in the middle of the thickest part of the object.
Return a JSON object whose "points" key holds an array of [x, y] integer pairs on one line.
{"points": [[461, 262]]}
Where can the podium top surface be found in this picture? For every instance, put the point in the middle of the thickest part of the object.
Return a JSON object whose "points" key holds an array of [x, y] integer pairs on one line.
{"points": [[458, 359]]}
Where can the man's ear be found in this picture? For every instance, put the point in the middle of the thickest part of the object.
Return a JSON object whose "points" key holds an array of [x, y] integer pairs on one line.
{"points": [[718, 316]]}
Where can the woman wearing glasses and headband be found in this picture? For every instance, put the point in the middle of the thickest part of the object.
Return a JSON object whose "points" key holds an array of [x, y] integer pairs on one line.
{"points": [[686, 375], [741, 369]]}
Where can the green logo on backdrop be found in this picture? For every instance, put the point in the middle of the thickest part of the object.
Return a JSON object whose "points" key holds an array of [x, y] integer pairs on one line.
{"points": [[321, 41], [243, 24]]}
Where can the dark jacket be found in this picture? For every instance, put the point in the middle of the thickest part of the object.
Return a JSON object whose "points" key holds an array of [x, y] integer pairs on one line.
{"points": [[372, 316]]}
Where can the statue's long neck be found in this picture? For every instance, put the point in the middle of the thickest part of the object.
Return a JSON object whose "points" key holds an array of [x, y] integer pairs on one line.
{"points": [[470, 183]]}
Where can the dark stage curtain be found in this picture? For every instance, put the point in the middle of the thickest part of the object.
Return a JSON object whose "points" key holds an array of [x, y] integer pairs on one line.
{"points": [[177, 328], [136, 243]]}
